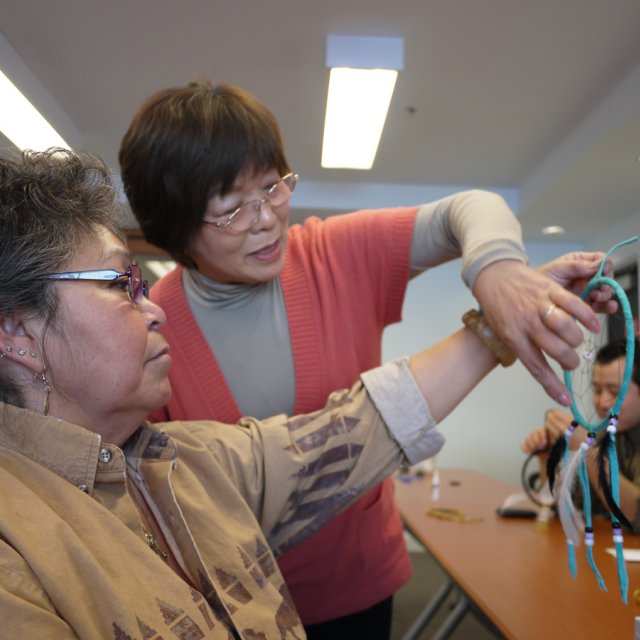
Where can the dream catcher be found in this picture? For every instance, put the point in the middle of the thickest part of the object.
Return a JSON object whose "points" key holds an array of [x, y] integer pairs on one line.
{"points": [[600, 436]]}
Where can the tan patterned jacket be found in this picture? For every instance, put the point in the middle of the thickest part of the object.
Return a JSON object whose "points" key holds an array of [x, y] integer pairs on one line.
{"points": [[73, 558]]}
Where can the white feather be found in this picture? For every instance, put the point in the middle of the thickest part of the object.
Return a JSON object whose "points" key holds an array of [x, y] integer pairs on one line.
{"points": [[570, 517]]}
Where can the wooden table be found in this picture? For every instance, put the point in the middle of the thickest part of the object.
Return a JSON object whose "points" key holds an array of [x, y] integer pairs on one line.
{"points": [[516, 571]]}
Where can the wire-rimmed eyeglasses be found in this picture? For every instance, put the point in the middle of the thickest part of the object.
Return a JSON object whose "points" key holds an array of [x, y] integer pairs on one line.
{"points": [[137, 288], [248, 213]]}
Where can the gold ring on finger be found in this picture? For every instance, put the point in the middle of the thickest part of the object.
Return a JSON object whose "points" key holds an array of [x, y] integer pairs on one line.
{"points": [[550, 309]]}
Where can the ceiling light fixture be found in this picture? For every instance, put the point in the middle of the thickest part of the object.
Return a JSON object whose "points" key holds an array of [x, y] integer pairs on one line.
{"points": [[553, 230], [361, 82], [22, 123]]}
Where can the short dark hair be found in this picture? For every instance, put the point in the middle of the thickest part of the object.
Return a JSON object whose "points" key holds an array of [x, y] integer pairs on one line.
{"points": [[618, 349], [187, 144], [50, 202]]}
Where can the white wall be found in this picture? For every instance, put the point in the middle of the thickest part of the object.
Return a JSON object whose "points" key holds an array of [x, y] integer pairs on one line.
{"points": [[485, 431]]}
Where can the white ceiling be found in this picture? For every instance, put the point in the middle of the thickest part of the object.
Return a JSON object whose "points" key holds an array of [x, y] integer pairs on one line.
{"points": [[539, 99]]}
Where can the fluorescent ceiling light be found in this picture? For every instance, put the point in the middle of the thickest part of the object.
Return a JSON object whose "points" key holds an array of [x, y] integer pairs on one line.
{"points": [[22, 123], [357, 107], [361, 83]]}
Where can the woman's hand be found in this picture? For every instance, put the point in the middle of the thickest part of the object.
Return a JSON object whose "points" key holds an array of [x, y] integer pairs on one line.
{"points": [[574, 270], [536, 442], [533, 311], [543, 438], [555, 425]]}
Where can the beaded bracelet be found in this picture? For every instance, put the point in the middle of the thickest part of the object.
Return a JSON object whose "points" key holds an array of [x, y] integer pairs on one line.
{"points": [[475, 321]]}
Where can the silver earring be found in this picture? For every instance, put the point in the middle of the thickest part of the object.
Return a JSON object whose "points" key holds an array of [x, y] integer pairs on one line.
{"points": [[47, 390], [22, 351], [9, 348], [33, 354]]}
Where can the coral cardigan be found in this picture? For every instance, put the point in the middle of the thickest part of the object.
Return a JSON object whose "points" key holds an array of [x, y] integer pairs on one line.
{"points": [[344, 280]]}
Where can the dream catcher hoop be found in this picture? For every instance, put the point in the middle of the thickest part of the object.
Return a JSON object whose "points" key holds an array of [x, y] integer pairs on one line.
{"points": [[574, 464]]}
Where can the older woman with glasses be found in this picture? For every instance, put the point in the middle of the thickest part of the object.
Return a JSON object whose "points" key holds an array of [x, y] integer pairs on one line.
{"points": [[111, 527], [263, 318]]}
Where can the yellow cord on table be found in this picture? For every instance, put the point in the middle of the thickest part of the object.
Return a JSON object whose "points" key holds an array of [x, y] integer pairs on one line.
{"points": [[453, 515]]}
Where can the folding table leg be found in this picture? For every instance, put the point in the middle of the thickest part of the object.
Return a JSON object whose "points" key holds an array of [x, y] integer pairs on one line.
{"points": [[427, 613], [452, 620]]}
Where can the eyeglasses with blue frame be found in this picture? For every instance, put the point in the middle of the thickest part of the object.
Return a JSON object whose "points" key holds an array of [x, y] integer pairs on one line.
{"points": [[137, 288]]}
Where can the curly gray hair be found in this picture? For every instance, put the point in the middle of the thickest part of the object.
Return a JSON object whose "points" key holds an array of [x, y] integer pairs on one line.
{"points": [[50, 202]]}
